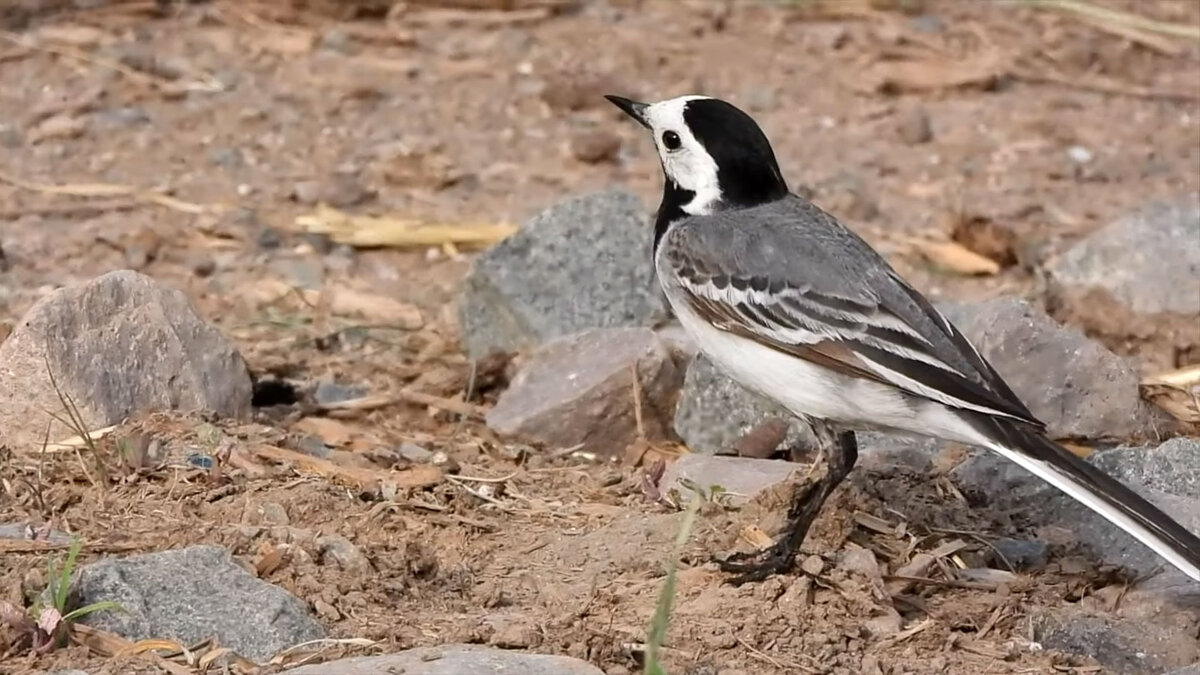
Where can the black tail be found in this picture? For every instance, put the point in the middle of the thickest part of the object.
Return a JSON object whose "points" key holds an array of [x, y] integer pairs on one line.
{"points": [[1095, 489]]}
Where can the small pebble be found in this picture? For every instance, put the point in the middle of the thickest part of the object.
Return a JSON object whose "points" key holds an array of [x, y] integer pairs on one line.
{"points": [[594, 146], [59, 127], [759, 99], [122, 117], [331, 392], [415, 453], [341, 190], [226, 157], [812, 565], [1080, 154], [311, 445], [273, 514], [915, 127], [325, 610], [342, 551], [204, 267], [445, 462], [1022, 555]]}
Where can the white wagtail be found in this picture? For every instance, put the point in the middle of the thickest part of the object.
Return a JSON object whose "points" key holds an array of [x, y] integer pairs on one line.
{"points": [[794, 305]]}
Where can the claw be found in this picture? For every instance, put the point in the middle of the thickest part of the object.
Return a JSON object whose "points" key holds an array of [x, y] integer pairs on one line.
{"points": [[758, 565]]}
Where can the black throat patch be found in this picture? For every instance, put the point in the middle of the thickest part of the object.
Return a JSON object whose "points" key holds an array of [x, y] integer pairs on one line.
{"points": [[670, 209]]}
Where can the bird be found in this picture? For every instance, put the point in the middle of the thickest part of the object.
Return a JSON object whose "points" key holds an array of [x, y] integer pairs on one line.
{"points": [[792, 304]]}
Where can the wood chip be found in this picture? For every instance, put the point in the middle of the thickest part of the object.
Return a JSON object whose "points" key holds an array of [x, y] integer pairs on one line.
{"points": [[874, 523]]}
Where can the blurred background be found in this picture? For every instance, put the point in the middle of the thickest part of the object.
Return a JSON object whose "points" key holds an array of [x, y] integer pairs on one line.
{"points": [[317, 178]]}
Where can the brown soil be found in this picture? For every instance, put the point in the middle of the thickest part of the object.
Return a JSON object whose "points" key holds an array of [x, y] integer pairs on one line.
{"points": [[482, 117]]}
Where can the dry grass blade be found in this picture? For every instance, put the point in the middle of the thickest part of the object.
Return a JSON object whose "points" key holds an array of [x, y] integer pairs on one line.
{"points": [[405, 396], [206, 83], [1177, 392], [79, 441], [112, 190], [1102, 15], [390, 231], [109, 644]]}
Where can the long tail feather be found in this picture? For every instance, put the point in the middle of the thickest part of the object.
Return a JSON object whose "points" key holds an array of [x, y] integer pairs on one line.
{"points": [[1097, 490]]}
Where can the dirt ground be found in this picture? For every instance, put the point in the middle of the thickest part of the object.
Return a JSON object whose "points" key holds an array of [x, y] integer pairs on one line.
{"points": [[1041, 127]]}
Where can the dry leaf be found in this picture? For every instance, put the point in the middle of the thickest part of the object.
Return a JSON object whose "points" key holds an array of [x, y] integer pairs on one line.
{"points": [[1177, 392], [896, 77], [955, 258]]}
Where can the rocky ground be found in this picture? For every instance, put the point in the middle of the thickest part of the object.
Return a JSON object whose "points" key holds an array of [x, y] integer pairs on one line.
{"points": [[327, 335]]}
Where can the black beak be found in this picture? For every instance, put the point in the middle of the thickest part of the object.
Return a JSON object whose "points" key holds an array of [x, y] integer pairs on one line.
{"points": [[632, 108]]}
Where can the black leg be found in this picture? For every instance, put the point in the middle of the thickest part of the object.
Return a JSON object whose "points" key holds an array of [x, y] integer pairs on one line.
{"points": [[840, 452]]}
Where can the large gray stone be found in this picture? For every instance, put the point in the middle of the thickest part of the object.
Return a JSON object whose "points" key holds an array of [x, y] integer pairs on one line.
{"points": [[584, 263], [714, 411], [452, 659], [578, 391], [1148, 260], [1136, 283], [119, 344], [191, 594], [1124, 646], [1166, 475], [742, 478], [1079, 388]]}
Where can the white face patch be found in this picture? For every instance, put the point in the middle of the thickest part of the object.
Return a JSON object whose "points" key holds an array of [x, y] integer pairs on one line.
{"points": [[689, 166]]}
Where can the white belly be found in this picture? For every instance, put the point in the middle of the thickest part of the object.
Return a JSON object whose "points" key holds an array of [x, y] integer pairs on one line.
{"points": [[813, 391]]}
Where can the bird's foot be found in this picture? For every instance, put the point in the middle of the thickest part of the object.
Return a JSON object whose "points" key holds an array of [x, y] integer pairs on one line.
{"points": [[758, 565]]}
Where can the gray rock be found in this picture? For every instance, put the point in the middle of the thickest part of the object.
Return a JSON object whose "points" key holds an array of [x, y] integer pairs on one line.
{"points": [[1076, 386], [452, 660], [122, 117], [1193, 669], [1133, 282], [714, 412], [1172, 467], [1022, 555], [119, 344], [1163, 475], [914, 126], [25, 531], [333, 392], [578, 390], [742, 477], [343, 552], [1144, 261], [192, 594], [415, 453], [339, 190], [1124, 646], [226, 157], [584, 263]]}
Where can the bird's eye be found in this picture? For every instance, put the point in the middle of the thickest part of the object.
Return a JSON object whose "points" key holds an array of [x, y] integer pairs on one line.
{"points": [[671, 140]]}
